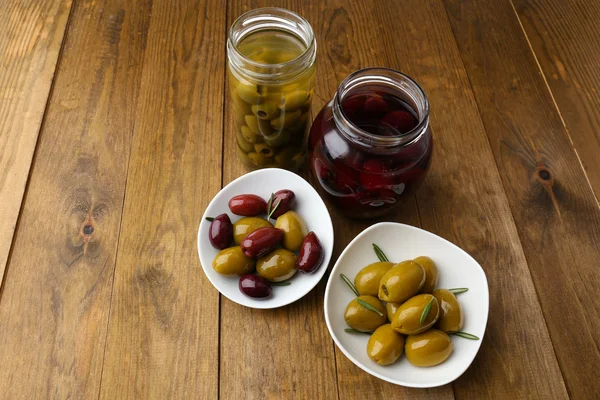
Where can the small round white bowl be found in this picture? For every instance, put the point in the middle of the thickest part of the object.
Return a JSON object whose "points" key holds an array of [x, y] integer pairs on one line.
{"points": [[457, 269], [308, 204]]}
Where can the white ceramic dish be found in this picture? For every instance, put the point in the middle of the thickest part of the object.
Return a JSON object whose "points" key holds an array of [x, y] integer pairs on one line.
{"points": [[456, 269], [308, 204]]}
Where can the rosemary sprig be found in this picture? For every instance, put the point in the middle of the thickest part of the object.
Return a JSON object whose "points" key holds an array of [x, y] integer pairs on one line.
{"points": [[210, 219], [283, 283], [350, 330], [426, 311], [459, 290], [350, 284], [380, 254], [368, 306], [466, 335], [271, 212]]}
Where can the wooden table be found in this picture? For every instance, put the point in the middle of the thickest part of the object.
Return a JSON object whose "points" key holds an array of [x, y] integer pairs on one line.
{"points": [[114, 136]]}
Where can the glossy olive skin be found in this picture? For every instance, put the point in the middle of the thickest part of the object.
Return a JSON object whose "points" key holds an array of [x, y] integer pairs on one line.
{"points": [[407, 319], [244, 226], [232, 261], [452, 317], [401, 282], [261, 242], [385, 345], [361, 318], [311, 254], [391, 309], [428, 348], [220, 232], [284, 199], [431, 273], [255, 286], [247, 205], [294, 229], [367, 280], [277, 266]]}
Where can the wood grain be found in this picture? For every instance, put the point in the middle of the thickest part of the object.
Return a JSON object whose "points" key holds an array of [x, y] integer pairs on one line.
{"points": [[32, 33], [163, 332], [463, 200], [557, 216], [564, 36], [55, 303]]}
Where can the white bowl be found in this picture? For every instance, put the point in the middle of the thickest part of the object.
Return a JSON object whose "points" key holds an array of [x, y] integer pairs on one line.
{"points": [[456, 269], [308, 204]]}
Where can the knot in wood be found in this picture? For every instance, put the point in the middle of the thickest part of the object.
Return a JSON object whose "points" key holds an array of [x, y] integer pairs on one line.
{"points": [[88, 229]]}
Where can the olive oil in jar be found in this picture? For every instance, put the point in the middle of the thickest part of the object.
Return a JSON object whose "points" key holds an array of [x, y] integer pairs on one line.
{"points": [[271, 85]]}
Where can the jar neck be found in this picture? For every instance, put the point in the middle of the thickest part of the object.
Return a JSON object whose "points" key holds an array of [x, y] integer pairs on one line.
{"points": [[389, 81], [270, 18]]}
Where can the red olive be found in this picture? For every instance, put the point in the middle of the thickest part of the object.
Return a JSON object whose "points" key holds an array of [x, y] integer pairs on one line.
{"points": [[261, 242], [255, 286], [247, 205], [220, 232], [285, 198], [311, 254]]}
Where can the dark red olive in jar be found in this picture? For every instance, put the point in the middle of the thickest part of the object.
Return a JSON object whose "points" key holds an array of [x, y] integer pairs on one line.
{"points": [[255, 286], [403, 121], [220, 232], [284, 201], [311, 254], [247, 205], [261, 241], [376, 175], [376, 106]]}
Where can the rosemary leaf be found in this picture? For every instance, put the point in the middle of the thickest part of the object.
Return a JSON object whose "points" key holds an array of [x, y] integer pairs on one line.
{"points": [[459, 290], [368, 306], [350, 330], [350, 284], [426, 311], [210, 219], [466, 335], [380, 254]]}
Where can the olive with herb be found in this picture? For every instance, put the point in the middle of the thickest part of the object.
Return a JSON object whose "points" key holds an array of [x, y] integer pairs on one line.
{"points": [[451, 314], [261, 241], [294, 229], [232, 261], [431, 273], [416, 315], [277, 266], [365, 313], [428, 348], [385, 345], [243, 227], [367, 280], [401, 282], [283, 201]]}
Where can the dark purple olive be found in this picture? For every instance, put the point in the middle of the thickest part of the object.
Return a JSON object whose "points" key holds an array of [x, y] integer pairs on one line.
{"points": [[248, 205], [261, 241], [255, 286], [220, 232], [285, 198], [311, 254]]}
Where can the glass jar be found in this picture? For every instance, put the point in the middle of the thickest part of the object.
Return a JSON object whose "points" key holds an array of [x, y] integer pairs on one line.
{"points": [[370, 147], [271, 58]]}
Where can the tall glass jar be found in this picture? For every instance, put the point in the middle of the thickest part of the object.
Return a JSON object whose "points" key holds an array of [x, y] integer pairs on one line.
{"points": [[271, 64], [370, 146]]}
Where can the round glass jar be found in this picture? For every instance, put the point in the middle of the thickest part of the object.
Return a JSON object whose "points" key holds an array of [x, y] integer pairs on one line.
{"points": [[370, 146], [271, 64]]}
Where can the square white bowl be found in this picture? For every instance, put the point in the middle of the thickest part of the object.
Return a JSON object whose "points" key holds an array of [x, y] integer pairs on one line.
{"points": [[456, 268]]}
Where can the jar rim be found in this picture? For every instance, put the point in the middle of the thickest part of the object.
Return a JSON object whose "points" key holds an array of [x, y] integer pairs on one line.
{"points": [[391, 77], [288, 68]]}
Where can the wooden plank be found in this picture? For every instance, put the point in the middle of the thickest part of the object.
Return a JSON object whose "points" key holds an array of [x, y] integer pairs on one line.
{"points": [[55, 302], [556, 214], [29, 47], [564, 36], [463, 200], [163, 331]]}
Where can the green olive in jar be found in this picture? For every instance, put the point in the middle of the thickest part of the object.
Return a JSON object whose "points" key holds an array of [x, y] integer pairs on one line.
{"points": [[367, 280], [244, 226], [391, 309], [285, 120], [452, 317], [266, 111], [431, 273], [264, 149], [407, 319], [277, 266], [294, 230], [248, 93], [362, 318], [258, 160], [294, 100], [232, 261], [428, 348], [252, 123], [385, 345], [249, 135], [401, 282], [243, 143], [279, 138]]}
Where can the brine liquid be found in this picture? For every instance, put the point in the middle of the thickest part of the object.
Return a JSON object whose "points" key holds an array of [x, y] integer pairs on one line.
{"points": [[271, 47]]}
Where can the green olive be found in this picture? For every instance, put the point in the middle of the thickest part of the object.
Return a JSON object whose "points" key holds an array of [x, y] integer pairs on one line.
{"points": [[452, 317], [258, 160], [239, 117], [298, 160], [363, 319], [285, 120], [264, 127], [407, 319], [252, 123], [264, 149], [294, 230], [367, 280], [249, 135], [244, 157], [279, 138], [266, 111], [385, 345], [277, 266], [401, 282], [428, 348], [249, 93], [294, 100], [232, 261], [240, 106], [391, 309], [242, 142], [299, 125], [284, 157], [244, 226], [431, 273]]}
